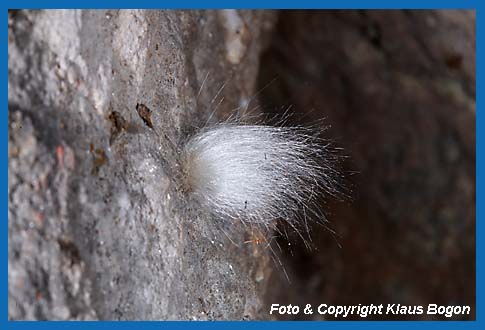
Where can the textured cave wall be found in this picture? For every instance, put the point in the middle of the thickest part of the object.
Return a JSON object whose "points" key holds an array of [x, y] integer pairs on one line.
{"points": [[97, 226], [398, 89]]}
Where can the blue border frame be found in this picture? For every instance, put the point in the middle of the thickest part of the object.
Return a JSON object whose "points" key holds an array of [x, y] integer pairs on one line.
{"points": [[249, 4], [328, 4]]}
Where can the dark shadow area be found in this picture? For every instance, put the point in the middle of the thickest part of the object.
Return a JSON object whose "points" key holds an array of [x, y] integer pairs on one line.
{"points": [[398, 90]]}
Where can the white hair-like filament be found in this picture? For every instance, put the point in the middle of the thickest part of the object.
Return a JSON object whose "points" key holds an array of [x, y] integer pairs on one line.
{"points": [[255, 173]]}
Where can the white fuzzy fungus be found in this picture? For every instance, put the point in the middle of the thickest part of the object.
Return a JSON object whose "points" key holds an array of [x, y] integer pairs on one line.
{"points": [[256, 174]]}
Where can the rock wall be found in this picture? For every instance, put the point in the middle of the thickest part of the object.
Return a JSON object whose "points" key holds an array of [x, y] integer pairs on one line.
{"points": [[398, 90], [97, 226], [101, 101]]}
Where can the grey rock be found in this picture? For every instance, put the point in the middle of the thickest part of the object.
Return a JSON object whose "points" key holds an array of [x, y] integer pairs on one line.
{"points": [[98, 228]]}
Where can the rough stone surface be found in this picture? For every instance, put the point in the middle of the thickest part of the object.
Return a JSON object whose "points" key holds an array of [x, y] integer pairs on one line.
{"points": [[100, 102], [398, 89], [97, 226]]}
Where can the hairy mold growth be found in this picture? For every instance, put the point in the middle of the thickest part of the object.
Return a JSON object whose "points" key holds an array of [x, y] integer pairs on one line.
{"points": [[257, 174]]}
